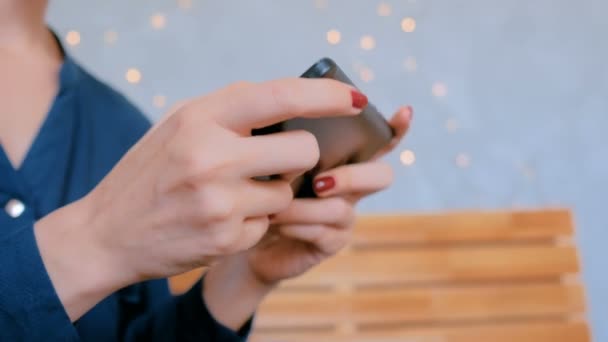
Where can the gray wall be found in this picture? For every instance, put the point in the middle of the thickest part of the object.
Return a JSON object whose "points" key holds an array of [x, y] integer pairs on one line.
{"points": [[527, 91]]}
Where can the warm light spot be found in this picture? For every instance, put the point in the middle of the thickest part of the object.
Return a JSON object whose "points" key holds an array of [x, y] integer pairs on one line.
{"points": [[384, 9], [73, 38], [463, 160], [410, 64], [110, 37], [439, 89], [366, 74], [408, 24], [528, 172], [184, 4], [408, 157], [321, 4], [159, 101], [158, 21], [133, 75], [368, 42], [451, 125], [334, 37]]}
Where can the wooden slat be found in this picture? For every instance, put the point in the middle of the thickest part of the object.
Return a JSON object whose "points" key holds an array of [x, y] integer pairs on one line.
{"points": [[508, 332], [404, 266], [320, 309], [462, 227]]}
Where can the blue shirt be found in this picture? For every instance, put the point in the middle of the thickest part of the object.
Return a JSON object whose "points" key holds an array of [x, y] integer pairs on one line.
{"points": [[87, 130]]}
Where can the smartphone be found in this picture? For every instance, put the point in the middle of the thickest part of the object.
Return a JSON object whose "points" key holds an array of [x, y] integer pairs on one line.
{"points": [[342, 140]]}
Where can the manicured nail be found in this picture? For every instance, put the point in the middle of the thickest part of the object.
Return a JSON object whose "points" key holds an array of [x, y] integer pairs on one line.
{"points": [[360, 101], [325, 183]]}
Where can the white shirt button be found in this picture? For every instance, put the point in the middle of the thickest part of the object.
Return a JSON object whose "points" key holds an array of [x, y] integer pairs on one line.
{"points": [[14, 208]]}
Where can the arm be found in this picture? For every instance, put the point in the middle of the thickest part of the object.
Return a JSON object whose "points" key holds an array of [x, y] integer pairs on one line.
{"points": [[181, 318], [303, 235], [29, 306], [173, 203]]}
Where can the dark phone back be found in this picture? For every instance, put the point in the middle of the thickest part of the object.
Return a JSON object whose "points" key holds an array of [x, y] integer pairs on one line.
{"points": [[342, 140]]}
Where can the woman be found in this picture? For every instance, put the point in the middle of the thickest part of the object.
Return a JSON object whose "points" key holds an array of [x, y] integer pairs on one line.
{"points": [[98, 210]]}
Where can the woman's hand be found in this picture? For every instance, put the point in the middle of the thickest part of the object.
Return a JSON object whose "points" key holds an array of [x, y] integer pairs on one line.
{"points": [[186, 194], [306, 233]]}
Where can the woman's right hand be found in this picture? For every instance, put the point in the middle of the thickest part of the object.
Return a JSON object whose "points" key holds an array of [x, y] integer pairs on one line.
{"points": [[185, 194]]}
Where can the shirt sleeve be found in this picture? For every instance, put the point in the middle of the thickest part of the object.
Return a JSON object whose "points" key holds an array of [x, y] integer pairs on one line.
{"points": [[183, 318], [30, 309]]}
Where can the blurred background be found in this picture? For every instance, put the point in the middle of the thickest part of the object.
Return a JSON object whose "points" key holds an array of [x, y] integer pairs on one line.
{"points": [[511, 97]]}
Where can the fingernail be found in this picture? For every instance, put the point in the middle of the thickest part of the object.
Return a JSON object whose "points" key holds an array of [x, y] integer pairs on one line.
{"points": [[325, 183], [410, 111], [360, 101]]}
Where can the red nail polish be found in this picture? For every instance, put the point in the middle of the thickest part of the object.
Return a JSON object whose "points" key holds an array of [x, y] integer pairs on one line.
{"points": [[324, 184], [359, 100]]}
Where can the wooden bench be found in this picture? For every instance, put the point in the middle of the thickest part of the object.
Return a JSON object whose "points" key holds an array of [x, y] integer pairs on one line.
{"points": [[455, 277]]}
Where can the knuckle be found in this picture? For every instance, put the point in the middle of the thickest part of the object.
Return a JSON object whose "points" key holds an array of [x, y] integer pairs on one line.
{"points": [[286, 192], [310, 146], [284, 195], [225, 241], [280, 96], [240, 85], [390, 174], [344, 178], [344, 212], [214, 205]]}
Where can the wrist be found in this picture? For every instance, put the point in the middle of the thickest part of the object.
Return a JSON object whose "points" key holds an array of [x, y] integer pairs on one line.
{"points": [[232, 281], [82, 272]]}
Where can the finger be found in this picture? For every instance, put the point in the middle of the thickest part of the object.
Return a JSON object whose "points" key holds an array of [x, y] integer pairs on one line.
{"points": [[326, 239], [354, 179], [263, 198], [242, 108], [326, 211], [400, 122], [254, 230], [291, 152]]}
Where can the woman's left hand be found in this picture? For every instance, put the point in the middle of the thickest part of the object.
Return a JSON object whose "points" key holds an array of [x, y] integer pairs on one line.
{"points": [[311, 230], [308, 232]]}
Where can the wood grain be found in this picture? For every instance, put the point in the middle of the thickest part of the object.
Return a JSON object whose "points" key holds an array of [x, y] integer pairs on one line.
{"points": [[320, 309], [461, 227], [408, 266], [506, 332]]}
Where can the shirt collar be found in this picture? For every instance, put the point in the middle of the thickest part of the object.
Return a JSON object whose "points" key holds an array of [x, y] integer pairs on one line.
{"points": [[69, 73]]}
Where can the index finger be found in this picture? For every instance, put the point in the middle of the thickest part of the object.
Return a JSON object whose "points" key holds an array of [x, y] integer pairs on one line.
{"points": [[246, 107]]}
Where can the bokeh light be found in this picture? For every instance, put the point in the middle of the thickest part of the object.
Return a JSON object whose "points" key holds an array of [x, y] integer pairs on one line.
{"points": [[410, 64], [133, 76], [439, 89], [158, 21], [408, 24], [321, 4], [463, 160], [110, 36], [384, 9], [334, 37], [451, 125], [368, 42], [72, 38], [366, 74], [407, 157], [159, 101], [184, 4]]}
